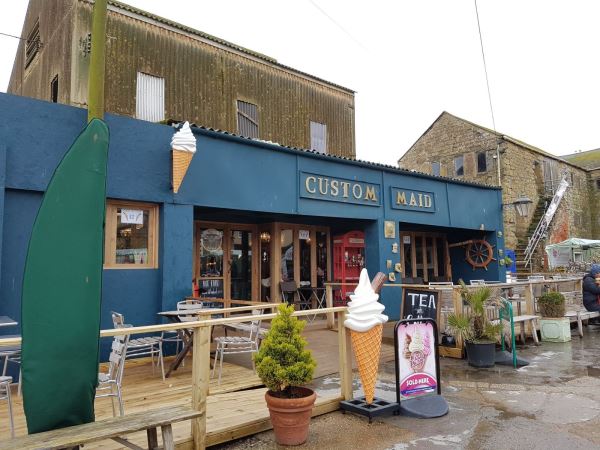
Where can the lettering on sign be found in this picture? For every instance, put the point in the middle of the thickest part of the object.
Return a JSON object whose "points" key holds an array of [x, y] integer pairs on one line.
{"points": [[412, 200], [419, 303], [322, 187]]}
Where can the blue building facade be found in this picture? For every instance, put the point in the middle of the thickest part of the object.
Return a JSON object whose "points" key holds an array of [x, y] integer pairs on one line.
{"points": [[243, 181]]}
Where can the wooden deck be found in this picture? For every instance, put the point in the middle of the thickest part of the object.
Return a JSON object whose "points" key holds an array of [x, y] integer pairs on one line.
{"points": [[236, 408]]}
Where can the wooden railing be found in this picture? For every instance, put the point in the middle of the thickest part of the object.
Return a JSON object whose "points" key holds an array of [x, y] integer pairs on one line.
{"points": [[201, 353]]}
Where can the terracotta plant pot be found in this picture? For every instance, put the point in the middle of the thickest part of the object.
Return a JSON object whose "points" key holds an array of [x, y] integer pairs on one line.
{"points": [[291, 416]]}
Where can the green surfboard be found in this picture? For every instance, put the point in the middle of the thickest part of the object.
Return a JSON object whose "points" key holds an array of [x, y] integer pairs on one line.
{"points": [[62, 289]]}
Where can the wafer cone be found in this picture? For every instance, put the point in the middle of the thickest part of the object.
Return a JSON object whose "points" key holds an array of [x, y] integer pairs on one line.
{"points": [[367, 347], [181, 162]]}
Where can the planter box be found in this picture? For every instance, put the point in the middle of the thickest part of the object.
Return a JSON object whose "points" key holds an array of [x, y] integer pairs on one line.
{"points": [[555, 330]]}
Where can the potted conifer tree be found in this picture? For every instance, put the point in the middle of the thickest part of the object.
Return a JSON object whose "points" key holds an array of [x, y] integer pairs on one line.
{"points": [[283, 364], [476, 331]]}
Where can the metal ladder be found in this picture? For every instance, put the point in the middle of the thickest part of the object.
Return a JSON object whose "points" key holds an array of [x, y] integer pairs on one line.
{"points": [[546, 219]]}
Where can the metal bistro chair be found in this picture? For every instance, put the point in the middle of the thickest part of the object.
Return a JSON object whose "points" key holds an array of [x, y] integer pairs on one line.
{"points": [[289, 291], [5, 394], [11, 354], [112, 379], [150, 345], [229, 345], [175, 336]]}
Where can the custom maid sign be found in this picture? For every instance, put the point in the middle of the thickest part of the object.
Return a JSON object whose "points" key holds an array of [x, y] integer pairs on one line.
{"points": [[412, 200], [334, 189]]}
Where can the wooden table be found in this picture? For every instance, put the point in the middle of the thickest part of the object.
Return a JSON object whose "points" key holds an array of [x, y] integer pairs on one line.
{"points": [[6, 321], [185, 334]]}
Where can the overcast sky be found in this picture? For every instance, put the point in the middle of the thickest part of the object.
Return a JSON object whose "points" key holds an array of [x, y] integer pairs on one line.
{"points": [[409, 61]]}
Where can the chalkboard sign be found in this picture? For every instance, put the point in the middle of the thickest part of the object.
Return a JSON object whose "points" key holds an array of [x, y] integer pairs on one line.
{"points": [[211, 288], [421, 302]]}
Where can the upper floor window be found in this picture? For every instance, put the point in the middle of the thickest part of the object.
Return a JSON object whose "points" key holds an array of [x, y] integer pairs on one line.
{"points": [[318, 137], [247, 119], [598, 183], [435, 168], [459, 167], [481, 162], [33, 44], [150, 98], [131, 235], [54, 90]]}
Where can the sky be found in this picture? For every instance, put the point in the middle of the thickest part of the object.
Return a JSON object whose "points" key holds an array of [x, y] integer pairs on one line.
{"points": [[410, 60]]}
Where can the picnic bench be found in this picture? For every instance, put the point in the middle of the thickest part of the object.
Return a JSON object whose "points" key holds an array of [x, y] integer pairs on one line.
{"points": [[112, 428], [575, 311]]}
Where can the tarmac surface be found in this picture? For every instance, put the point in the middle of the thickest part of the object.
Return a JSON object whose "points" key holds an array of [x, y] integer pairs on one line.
{"points": [[553, 403]]}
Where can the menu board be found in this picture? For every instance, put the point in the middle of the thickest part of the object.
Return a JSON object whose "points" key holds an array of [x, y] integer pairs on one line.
{"points": [[211, 288], [419, 302]]}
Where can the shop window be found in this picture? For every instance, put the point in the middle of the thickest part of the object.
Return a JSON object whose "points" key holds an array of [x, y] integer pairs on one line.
{"points": [[247, 119], [481, 162], [318, 137], [54, 90], [131, 236], [459, 167], [150, 98], [287, 255], [33, 44], [435, 169]]}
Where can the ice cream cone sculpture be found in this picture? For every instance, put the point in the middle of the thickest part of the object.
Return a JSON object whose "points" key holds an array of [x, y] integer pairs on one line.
{"points": [[183, 147], [365, 322]]}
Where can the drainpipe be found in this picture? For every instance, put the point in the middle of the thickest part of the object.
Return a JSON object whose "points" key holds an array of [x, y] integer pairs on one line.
{"points": [[96, 76]]}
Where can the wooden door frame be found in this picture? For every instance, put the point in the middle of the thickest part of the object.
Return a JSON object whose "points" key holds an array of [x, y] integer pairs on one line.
{"points": [[434, 254]]}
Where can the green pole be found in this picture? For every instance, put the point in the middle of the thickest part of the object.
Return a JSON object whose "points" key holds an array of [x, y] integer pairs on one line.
{"points": [[96, 76]]}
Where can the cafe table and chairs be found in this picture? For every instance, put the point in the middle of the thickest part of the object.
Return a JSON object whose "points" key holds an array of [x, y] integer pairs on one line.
{"points": [[11, 354]]}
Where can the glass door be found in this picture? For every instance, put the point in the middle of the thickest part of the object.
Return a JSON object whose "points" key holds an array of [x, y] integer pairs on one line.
{"points": [[211, 281], [240, 264]]}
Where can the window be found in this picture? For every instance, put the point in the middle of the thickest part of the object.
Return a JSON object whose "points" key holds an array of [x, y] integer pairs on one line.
{"points": [[481, 162], [598, 183], [318, 137], [33, 44], [131, 235], [459, 168], [247, 117], [150, 98], [435, 168], [54, 90]]}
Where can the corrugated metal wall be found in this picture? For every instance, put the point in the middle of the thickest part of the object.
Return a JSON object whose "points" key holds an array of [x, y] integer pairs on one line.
{"points": [[203, 84]]}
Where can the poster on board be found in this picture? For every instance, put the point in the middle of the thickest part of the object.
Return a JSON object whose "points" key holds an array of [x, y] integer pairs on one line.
{"points": [[417, 359]]}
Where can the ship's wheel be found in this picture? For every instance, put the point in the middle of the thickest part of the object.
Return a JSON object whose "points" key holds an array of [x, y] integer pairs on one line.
{"points": [[479, 253]]}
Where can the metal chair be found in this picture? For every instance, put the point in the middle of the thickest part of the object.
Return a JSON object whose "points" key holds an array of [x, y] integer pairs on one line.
{"points": [[11, 354], [175, 336], [150, 345], [111, 380], [289, 291], [5, 395], [229, 345]]}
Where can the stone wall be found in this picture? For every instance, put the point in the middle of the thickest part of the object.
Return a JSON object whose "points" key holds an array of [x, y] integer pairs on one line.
{"points": [[522, 173]]}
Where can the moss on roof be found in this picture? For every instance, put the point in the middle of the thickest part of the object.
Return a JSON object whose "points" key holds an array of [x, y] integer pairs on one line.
{"points": [[589, 159]]}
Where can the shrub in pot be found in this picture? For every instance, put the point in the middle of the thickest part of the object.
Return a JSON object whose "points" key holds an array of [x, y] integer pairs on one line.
{"points": [[552, 305], [283, 364], [554, 327], [476, 331]]}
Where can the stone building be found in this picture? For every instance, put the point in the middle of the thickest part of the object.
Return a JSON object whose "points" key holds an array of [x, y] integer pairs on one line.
{"points": [[460, 149], [157, 70]]}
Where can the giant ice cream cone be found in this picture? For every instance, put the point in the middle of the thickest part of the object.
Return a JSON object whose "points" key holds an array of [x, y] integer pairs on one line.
{"points": [[367, 347], [184, 148], [365, 322]]}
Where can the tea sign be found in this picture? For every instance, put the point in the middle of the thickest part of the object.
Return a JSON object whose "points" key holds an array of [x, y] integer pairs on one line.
{"points": [[418, 302]]}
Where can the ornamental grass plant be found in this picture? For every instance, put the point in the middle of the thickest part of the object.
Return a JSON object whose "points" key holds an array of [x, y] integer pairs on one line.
{"points": [[282, 362]]}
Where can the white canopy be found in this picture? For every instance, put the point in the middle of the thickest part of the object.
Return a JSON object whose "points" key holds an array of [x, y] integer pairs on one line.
{"points": [[572, 250]]}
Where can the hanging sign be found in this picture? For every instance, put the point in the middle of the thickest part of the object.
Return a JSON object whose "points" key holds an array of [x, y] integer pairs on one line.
{"points": [[304, 235], [134, 216], [416, 302]]}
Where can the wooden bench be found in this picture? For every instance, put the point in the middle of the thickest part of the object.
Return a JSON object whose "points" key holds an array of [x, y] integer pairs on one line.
{"points": [[112, 428], [576, 312]]}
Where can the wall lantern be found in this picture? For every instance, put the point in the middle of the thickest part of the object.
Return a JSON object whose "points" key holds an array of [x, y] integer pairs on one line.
{"points": [[522, 205]]}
